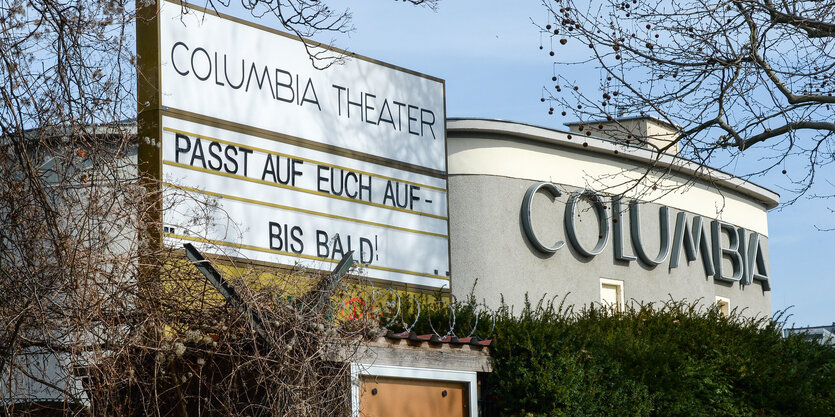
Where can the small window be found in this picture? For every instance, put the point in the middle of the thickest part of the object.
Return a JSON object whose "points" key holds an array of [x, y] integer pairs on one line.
{"points": [[611, 293], [724, 305]]}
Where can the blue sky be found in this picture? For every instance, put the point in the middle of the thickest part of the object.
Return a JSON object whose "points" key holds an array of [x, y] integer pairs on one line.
{"points": [[488, 53]]}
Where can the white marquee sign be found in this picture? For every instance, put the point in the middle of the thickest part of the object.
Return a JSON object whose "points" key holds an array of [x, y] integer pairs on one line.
{"points": [[305, 164]]}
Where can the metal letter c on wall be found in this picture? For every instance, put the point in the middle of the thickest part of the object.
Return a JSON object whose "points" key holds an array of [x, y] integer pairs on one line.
{"points": [[602, 219], [527, 203]]}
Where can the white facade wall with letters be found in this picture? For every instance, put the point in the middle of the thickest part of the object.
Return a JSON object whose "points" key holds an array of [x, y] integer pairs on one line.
{"points": [[685, 232]]}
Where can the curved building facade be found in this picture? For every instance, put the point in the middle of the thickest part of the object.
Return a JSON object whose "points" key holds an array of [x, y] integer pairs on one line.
{"points": [[539, 212]]}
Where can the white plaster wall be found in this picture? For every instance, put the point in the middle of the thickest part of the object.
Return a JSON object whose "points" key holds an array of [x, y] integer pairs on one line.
{"points": [[492, 258], [515, 158], [489, 173]]}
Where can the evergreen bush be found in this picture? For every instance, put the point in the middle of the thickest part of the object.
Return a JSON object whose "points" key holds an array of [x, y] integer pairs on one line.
{"points": [[673, 359]]}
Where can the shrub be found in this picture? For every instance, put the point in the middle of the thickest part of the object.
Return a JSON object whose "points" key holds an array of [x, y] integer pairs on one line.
{"points": [[675, 359]]}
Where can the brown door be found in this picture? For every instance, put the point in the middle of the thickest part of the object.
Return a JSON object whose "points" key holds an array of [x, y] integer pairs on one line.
{"points": [[400, 397]]}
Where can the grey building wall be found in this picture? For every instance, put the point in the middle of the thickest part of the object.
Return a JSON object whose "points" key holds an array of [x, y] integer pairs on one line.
{"points": [[488, 245], [493, 259]]}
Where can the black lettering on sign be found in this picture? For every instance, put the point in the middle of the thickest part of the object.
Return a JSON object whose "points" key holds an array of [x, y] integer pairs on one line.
{"points": [[286, 238], [220, 156], [179, 149], [269, 168], [339, 90], [264, 79], [320, 179], [337, 246], [369, 119], [208, 61], [226, 74], [367, 250], [399, 114], [322, 249], [426, 121], [174, 62], [344, 183], [365, 187], [231, 159], [246, 153], [198, 154], [413, 196], [389, 194], [353, 103], [394, 197], [411, 119], [385, 110], [297, 172], [214, 148], [276, 240], [296, 234], [305, 99], [419, 121], [354, 187], [258, 77], [337, 184], [217, 81], [286, 88], [283, 171]]}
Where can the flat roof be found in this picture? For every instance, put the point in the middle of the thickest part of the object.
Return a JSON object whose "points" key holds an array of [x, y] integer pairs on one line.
{"points": [[768, 198]]}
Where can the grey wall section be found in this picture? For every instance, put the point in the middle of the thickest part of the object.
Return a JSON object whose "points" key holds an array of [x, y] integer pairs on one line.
{"points": [[488, 245]]}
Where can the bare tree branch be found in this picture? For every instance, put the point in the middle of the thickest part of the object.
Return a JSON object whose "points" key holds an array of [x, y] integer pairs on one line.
{"points": [[81, 285], [732, 74]]}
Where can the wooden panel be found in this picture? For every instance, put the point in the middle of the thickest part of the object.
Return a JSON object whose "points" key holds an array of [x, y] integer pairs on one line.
{"points": [[398, 397]]}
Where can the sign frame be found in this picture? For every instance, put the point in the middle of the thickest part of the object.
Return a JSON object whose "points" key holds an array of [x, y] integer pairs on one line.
{"points": [[150, 129]]}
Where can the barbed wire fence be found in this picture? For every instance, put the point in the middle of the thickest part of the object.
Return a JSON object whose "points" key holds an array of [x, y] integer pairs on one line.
{"points": [[400, 313]]}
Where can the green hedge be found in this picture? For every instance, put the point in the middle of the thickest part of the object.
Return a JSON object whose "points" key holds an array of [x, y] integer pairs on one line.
{"points": [[674, 360]]}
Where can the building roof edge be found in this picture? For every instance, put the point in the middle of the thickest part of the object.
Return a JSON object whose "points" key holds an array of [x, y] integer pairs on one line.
{"points": [[768, 198]]}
